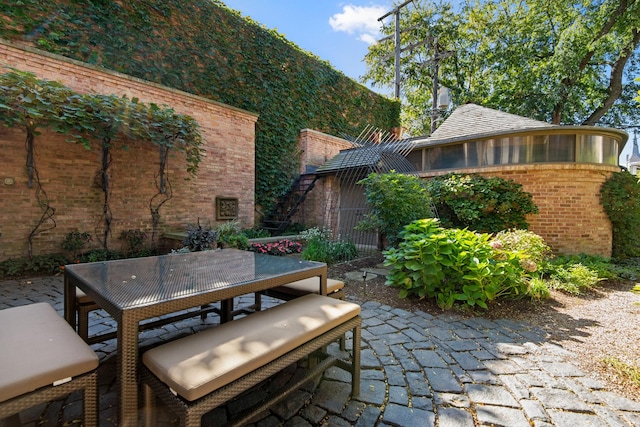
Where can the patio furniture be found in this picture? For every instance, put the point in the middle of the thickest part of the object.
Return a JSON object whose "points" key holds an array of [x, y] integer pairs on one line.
{"points": [[85, 304], [335, 289], [136, 289], [195, 374], [43, 359]]}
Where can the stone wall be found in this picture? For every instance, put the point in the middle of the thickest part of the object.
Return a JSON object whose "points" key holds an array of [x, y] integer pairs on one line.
{"points": [[67, 171]]}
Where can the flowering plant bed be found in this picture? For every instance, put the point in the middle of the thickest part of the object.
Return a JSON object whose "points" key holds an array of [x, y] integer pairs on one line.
{"points": [[279, 248]]}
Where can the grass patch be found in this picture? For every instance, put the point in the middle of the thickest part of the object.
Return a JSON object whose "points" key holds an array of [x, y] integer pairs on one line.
{"points": [[627, 372]]}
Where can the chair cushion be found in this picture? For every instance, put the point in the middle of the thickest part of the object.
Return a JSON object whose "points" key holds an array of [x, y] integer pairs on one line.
{"points": [[38, 348], [83, 298], [198, 364], [309, 286]]}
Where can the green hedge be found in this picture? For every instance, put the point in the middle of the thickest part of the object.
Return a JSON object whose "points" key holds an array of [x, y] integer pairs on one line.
{"points": [[202, 47]]}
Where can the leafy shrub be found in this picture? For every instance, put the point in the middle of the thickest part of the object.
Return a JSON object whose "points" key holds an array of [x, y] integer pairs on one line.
{"points": [[256, 233], [38, 264], [320, 248], [602, 267], [316, 233], [330, 252], [279, 248], [395, 200], [538, 289], [627, 268], [96, 255], [237, 241], [527, 243], [230, 235], [573, 278], [486, 205], [75, 241], [200, 238], [620, 197], [452, 265], [134, 240]]}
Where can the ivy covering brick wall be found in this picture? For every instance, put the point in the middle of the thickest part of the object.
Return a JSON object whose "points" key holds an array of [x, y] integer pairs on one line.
{"points": [[70, 173], [204, 48]]}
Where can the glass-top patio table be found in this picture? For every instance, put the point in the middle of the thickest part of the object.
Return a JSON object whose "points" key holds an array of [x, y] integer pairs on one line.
{"points": [[135, 289]]}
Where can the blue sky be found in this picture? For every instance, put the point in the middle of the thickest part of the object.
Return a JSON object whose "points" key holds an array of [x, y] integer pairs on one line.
{"points": [[336, 31]]}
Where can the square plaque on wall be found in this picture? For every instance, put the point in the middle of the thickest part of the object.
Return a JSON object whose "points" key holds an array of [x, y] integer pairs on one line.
{"points": [[226, 208]]}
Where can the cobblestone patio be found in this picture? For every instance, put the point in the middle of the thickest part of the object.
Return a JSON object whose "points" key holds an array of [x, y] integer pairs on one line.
{"points": [[417, 370]]}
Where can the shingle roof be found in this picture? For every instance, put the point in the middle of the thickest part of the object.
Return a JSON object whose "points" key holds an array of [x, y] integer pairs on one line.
{"points": [[471, 120]]}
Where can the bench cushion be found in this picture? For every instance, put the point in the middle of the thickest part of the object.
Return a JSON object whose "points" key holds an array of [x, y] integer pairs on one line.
{"points": [[83, 298], [198, 364], [309, 286], [38, 348]]}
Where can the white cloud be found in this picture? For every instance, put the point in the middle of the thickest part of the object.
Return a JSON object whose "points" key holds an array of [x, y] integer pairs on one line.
{"points": [[359, 20]]}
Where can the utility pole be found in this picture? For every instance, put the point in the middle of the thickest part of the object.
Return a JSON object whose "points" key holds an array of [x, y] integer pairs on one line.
{"points": [[435, 69], [397, 48]]}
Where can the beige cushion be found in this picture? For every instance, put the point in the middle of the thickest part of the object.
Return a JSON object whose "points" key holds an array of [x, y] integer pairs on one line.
{"points": [[309, 286], [83, 298], [38, 348], [198, 364]]}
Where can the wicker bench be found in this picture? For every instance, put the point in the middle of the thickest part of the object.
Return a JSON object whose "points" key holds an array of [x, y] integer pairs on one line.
{"points": [[335, 289], [43, 359], [195, 374]]}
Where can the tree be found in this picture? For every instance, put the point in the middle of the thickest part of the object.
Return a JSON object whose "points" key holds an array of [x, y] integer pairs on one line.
{"points": [[563, 61], [395, 200]]}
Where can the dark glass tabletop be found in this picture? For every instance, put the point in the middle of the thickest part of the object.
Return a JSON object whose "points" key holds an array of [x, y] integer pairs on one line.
{"points": [[138, 282]]}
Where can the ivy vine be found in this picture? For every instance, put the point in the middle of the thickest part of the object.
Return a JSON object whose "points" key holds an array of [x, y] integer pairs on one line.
{"points": [[620, 198], [169, 130], [31, 104], [204, 48]]}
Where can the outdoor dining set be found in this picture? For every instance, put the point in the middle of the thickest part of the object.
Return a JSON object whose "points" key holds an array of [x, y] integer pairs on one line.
{"points": [[44, 356]]}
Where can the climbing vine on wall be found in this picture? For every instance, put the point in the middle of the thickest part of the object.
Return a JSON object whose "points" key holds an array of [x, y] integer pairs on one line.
{"points": [[169, 131], [204, 48], [31, 104]]}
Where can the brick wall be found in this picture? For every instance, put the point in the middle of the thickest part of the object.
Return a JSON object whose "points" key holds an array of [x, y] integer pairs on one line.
{"points": [[67, 171], [320, 206], [571, 218]]}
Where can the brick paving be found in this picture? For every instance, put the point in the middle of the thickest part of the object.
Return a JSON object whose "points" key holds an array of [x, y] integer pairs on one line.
{"points": [[417, 370]]}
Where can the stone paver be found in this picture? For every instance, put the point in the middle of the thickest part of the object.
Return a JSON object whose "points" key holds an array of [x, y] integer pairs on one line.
{"points": [[418, 369]]}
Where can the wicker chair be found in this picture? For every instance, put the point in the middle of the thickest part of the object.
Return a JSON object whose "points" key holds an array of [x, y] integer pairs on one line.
{"points": [[43, 359]]}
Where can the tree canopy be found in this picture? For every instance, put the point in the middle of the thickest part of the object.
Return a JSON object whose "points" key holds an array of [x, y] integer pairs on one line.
{"points": [[561, 61]]}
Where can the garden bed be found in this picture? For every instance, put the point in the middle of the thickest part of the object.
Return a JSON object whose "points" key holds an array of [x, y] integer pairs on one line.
{"points": [[598, 326]]}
